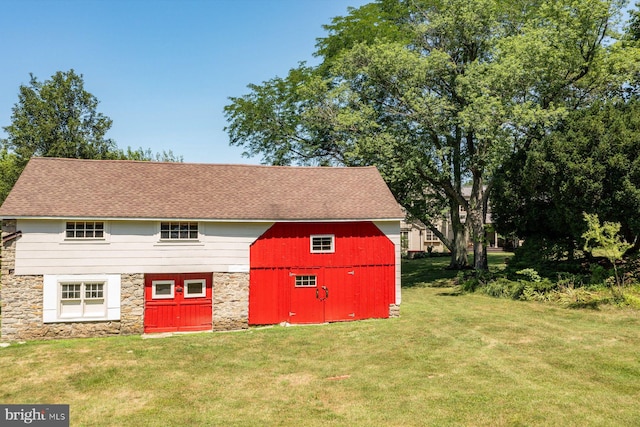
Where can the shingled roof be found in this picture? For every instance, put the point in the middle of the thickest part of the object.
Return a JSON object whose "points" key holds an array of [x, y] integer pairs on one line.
{"points": [[72, 188]]}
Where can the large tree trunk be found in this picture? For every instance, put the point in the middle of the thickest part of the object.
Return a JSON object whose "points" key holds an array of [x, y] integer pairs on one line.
{"points": [[459, 259], [476, 219]]}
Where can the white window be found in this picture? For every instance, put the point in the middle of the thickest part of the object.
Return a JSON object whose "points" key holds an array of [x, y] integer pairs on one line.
{"points": [[178, 230], [82, 299], [195, 288], [162, 289], [76, 298], [83, 230], [305, 281], [324, 243]]}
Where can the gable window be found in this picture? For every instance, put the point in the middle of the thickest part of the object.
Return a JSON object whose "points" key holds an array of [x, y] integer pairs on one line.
{"points": [[321, 244], [84, 230], [178, 230], [82, 300]]}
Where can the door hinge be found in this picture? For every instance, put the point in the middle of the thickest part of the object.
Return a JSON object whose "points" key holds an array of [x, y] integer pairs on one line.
{"points": [[352, 315], [291, 313], [352, 272], [291, 274]]}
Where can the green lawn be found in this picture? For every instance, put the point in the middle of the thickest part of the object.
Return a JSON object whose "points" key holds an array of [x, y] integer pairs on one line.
{"points": [[448, 360]]}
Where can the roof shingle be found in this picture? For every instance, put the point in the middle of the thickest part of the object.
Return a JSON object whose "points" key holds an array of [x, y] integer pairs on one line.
{"points": [[72, 188]]}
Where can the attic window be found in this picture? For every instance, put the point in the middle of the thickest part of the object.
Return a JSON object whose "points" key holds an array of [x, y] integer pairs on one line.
{"points": [[84, 230], [178, 230], [322, 244]]}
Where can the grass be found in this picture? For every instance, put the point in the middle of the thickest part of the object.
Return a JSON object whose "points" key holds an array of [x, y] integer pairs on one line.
{"points": [[448, 360]]}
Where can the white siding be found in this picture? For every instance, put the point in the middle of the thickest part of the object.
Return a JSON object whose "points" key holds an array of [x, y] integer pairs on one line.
{"points": [[392, 230], [133, 247]]}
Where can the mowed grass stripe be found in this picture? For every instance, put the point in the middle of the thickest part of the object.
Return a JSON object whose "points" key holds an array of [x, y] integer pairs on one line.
{"points": [[448, 360]]}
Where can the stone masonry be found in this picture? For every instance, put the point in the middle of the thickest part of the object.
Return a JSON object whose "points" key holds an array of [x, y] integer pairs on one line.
{"points": [[21, 298], [230, 301], [394, 310]]}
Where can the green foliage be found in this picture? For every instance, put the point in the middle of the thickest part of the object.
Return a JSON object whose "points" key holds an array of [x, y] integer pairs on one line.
{"points": [[588, 164], [9, 172], [59, 118], [603, 240], [530, 274], [435, 93], [505, 288]]}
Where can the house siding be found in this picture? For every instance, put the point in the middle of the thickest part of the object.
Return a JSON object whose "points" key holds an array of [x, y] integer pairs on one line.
{"points": [[132, 247], [392, 230]]}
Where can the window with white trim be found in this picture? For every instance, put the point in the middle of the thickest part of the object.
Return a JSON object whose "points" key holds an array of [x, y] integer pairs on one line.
{"points": [[195, 288], [179, 230], [80, 297], [322, 243], [84, 230], [305, 281], [82, 300], [162, 289]]}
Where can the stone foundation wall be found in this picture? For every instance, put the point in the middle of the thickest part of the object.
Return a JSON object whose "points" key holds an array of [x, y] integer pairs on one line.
{"points": [[394, 310], [230, 301], [21, 298], [132, 304], [22, 312]]}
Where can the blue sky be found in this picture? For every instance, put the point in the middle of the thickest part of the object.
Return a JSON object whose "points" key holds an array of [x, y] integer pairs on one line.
{"points": [[162, 70]]}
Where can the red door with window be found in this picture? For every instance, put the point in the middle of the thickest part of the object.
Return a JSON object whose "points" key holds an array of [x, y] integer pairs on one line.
{"points": [[321, 295], [178, 302]]}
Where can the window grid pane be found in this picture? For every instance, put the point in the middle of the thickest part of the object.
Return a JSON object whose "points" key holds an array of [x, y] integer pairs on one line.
{"points": [[84, 230], [179, 230], [71, 291], [93, 291], [322, 243], [305, 281]]}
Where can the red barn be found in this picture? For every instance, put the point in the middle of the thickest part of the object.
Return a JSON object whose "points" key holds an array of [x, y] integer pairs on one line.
{"points": [[118, 247], [321, 272]]}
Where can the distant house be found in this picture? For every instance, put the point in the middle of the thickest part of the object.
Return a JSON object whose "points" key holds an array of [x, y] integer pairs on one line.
{"points": [[93, 248], [417, 237]]}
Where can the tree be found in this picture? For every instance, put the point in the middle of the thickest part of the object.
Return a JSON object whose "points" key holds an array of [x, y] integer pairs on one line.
{"points": [[59, 118], [603, 240], [435, 93], [588, 163], [9, 172]]}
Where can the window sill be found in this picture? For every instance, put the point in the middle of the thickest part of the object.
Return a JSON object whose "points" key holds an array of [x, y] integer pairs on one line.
{"points": [[79, 319], [179, 243], [85, 241]]}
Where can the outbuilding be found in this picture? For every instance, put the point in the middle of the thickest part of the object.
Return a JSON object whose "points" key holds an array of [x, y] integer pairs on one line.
{"points": [[101, 247]]}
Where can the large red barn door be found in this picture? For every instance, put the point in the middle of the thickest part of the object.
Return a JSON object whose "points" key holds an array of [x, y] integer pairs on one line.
{"points": [[321, 295], [178, 302]]}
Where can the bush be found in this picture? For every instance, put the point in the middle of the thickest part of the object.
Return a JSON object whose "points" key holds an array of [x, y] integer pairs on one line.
{"points": [[504, 288]]}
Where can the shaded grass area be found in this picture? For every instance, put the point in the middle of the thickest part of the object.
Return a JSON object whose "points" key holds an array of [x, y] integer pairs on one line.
{"points": [[461, 360], [433, 272]]}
